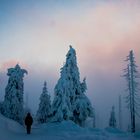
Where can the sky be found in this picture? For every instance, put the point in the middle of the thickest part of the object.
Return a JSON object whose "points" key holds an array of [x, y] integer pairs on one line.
{"points": [[36, 34]]}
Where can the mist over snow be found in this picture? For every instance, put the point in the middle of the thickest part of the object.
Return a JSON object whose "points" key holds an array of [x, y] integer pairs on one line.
{"points": [[37, 35]]}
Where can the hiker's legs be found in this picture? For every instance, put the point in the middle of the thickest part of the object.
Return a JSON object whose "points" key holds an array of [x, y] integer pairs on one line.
{"points": [[28, 129]]}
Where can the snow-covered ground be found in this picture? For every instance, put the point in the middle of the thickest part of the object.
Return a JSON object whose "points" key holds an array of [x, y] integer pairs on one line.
{"points": [[10, 130]]}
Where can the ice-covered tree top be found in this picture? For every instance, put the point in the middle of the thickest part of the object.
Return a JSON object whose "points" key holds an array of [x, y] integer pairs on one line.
{"points": [[70, 69], [70, 76], [71, 57], [130, 56], [16, 71], [71, 52], [45, 87]]}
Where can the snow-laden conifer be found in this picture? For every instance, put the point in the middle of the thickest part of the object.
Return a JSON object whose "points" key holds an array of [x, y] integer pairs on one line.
{"points": [[13, 100], [69, 92], [44, 106]]}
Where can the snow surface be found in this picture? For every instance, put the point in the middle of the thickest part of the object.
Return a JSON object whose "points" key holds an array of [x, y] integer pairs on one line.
{"points": [[11, 130]]}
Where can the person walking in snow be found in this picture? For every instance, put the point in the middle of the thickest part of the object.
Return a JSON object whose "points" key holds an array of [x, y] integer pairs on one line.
{"points": [[28, 122]]}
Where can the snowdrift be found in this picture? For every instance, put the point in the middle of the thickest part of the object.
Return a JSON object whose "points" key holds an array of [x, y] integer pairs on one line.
{"points": [[67, 130]]}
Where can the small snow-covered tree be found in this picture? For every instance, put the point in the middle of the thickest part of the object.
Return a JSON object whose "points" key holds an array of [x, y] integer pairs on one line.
{"points": [[13, 100], [112, 120], [120, 112], [69, 93], [82, 109], [44, 106], [132, 100]]}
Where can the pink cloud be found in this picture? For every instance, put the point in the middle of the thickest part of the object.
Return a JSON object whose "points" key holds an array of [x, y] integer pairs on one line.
{"points": [[11, 63], [103, 35]]}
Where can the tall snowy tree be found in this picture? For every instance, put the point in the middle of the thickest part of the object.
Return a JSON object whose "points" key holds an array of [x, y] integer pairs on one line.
{"points": [[112, 120], [13, 100], [132, 100], [44, 109], [70, 101]]}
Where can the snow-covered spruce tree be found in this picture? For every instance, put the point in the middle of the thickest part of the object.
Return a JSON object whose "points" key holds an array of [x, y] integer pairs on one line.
{"points": [[112, 120], [82, 109], [13, 100], [132, 100], [70, 102], [44, 109]]}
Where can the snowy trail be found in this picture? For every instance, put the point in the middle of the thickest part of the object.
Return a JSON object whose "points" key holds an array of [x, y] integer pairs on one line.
{"points": [[10, 130], [56, 134]]}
